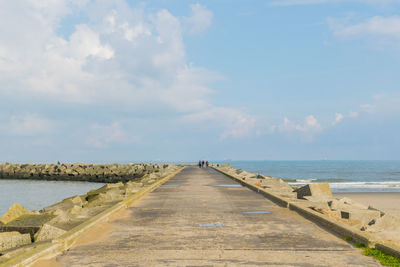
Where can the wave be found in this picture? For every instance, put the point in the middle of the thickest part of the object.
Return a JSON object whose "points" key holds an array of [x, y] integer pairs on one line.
{"points": [[360, 186], [311, 180]]}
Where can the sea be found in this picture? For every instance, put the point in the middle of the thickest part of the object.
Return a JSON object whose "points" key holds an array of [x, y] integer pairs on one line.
{"points": [[35, 195], [342, 175]]}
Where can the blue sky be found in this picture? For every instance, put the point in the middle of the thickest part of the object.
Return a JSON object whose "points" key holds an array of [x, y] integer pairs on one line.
{"points": [[118, 80]]}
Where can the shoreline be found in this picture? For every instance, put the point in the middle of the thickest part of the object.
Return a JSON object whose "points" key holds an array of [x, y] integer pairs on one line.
{"points": [[386, 201]]}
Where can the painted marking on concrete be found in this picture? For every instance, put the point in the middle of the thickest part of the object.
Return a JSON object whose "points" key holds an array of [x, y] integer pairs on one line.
{"points": [[211, 224], [256, 212], [228, 185]]}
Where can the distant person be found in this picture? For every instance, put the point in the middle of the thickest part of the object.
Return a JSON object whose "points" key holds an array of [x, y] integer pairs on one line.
{"points": [[199, 163], [207, 163], [202, 163]]}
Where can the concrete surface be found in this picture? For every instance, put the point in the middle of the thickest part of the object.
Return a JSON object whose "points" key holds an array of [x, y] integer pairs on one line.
{"points": [[191, 222]]}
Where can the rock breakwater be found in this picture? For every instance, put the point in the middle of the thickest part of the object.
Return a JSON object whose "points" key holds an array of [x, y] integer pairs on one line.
{"points": [[104, 173], [55, 220]]}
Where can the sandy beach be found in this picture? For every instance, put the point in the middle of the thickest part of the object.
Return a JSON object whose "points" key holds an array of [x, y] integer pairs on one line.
{"points": [[386, 202]]}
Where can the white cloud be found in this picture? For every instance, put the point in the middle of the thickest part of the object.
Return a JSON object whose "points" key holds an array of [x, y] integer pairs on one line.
{"points": [[123, 57], [84, 42], [286, 126], [307, 129], [338, 118], [310, 124], [313, 2], [104, 135], [379, 27], [353, 114], [200, 19], [297, 2], [380, 105], [368, 108], [232, 122], [29, 125]]}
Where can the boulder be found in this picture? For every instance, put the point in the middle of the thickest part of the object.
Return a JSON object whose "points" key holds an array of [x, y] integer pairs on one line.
{"points": [[316, 190], [48, 232], [13, 239], [15, 211]]}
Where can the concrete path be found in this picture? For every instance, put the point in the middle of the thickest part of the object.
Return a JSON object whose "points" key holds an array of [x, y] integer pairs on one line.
{"points": [[189, 221]]}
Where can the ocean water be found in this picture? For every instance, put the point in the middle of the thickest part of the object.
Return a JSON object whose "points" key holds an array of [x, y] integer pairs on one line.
{"points": [[343, 176], [35, 195]]}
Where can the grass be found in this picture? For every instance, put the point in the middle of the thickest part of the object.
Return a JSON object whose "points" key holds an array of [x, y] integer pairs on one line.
{"points": [[382, 257], [348, 239]]}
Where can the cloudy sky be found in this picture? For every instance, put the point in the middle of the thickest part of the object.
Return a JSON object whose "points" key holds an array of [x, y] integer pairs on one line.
{"points": [[119, 80]]}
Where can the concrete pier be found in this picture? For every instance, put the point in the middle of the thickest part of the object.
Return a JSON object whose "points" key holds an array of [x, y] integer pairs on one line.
{"points": [[203, 218]]}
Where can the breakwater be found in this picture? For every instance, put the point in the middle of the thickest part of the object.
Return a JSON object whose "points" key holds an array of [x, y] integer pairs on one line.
{"points": [[20, 227], [102, 173], [363, 224]]}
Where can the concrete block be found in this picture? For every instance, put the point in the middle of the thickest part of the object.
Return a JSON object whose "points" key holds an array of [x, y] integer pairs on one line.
{"points": [[315, 190], [387, 222], [15, 211], [66, 204], [75, 209], [48, 232], [345, 203], [276, 184], [101, 199], [316, 204], [29, 223], [13, 239], [361, 215]]}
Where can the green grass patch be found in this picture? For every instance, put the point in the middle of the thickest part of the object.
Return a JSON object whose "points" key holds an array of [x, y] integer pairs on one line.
{"points": [[361, 245], [382, 257], [348, 239]]}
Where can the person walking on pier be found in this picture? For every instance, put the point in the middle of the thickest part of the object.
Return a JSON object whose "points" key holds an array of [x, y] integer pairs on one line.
{"points": [[202, 163], [207, 163], [199, 163]]}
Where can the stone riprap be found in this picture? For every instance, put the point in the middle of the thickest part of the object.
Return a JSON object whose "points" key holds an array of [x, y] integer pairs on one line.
{"points": [[380, 227], [10, 240], [55, 220], [104, 173]]}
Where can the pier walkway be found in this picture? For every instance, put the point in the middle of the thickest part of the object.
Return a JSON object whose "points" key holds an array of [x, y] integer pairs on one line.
{"points": [[202, 218]]}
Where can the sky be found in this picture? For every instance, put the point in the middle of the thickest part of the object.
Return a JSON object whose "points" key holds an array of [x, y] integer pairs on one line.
{"points": [[173, 80]]}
